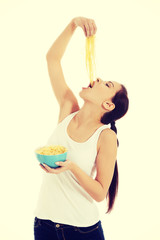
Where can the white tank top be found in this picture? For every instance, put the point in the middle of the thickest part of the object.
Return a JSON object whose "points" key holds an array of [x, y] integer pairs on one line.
{"points": [[61, 198]]}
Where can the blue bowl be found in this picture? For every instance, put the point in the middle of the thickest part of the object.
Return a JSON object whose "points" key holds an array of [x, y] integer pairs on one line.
{"points": [[51, 159]]}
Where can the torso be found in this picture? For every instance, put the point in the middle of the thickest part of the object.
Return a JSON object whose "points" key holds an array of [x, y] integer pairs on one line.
{"points": [[82, 134]]}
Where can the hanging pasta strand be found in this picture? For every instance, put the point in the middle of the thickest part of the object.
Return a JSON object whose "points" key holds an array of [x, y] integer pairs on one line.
{"points": [[90, 58]]}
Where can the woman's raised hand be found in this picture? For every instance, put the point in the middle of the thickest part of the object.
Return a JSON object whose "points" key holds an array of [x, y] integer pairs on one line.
{"points": [[88, 25]]}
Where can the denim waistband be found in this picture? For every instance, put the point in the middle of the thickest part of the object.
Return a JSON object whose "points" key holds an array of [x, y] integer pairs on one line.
{"points": [[62, 225]]}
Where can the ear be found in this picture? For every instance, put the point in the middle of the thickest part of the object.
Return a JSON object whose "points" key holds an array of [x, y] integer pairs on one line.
{"points": [[107, 105]]}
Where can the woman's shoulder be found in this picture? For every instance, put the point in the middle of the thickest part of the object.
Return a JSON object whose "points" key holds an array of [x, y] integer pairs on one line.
{"points": [[104, 133], [67, 111], [107, 134]]}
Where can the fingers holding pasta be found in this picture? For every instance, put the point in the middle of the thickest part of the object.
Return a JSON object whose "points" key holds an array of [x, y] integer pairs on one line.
{"points": [[88, 25], [87, 30], [94, 28]]}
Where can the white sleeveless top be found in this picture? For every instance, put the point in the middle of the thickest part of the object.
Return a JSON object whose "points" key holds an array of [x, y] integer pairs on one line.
{"points": [[61, 198]]}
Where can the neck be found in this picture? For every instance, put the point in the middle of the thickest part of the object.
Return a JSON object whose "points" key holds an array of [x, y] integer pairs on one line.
{"points": [[88, 116]]}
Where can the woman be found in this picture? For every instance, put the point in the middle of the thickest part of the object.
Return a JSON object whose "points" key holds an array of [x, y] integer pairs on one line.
{"points": [[66, 207]]}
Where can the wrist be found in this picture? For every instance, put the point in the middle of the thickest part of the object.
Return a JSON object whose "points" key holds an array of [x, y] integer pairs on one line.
{"points": [[73, 23], [72, 166]]}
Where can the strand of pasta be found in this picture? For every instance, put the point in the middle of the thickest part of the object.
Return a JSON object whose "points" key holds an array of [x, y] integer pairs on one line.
{"points": [[90, 58]]}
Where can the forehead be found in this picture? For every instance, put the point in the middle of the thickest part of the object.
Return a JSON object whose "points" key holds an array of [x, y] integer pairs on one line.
{"points": [[117, 86]]}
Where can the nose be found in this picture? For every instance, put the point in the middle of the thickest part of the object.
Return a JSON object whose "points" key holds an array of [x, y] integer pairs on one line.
{"points": [[98, 80]]}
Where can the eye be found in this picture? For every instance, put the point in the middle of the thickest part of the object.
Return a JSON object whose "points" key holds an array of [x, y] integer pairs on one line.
{"points": [[107, 84]]}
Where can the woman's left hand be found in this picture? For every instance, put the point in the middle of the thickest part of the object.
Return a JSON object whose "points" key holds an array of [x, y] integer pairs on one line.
{"points": [[66, 165], [88, 25]]}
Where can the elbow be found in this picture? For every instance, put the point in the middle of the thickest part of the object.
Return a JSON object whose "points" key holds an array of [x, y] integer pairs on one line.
{"points": [[101, 194], [48, 56], [100, 198]]}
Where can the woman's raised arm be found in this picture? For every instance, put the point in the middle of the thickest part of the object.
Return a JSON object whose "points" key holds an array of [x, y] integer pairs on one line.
{"points": [[63, 93], [54, 55], [58, 48]]}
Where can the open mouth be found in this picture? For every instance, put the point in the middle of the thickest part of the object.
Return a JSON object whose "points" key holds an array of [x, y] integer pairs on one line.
{"points": [[89, 85]]}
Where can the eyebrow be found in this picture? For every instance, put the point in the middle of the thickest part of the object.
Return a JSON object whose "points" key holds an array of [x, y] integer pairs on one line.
{"points": [[111, 83]]}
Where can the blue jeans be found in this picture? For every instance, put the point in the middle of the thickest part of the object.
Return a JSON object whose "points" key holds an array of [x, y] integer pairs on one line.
{"points": [[48, 230]]}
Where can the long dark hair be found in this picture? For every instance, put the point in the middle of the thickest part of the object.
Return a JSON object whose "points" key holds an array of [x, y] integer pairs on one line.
{"points": [[121, 102]]}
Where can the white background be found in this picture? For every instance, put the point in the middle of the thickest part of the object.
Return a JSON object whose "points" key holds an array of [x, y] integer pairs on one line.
{"points": [[127, 51]]}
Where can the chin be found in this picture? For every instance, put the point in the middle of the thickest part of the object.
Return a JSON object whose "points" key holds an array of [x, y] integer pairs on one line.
{"points": [[80, 94]]}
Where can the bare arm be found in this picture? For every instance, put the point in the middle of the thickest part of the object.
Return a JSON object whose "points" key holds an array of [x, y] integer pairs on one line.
{"points": [[105, 162], [58, 48], [91, 186], [63, 93], [60, 88]]}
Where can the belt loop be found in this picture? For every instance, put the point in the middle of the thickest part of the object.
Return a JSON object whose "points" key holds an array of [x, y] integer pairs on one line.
{"points": [[75, 228]]}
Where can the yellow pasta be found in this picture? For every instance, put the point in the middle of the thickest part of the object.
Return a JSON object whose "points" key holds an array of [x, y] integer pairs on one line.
{"points": [[51, 150], [90, 58]]}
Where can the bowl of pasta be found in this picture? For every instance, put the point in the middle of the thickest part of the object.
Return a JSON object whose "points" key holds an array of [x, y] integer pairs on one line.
{"points": [[50, 154]]}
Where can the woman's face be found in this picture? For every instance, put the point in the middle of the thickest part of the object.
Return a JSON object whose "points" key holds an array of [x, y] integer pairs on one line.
{"points": [[101, 91]]}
